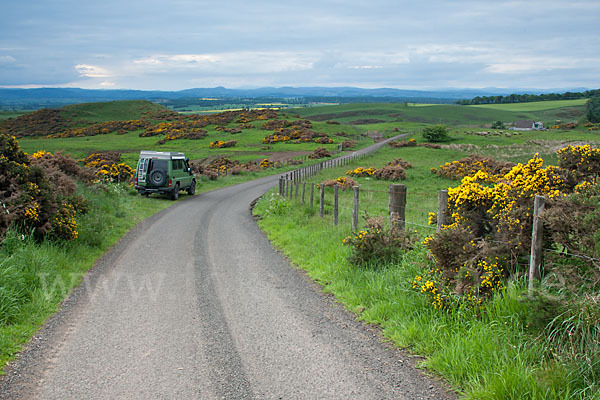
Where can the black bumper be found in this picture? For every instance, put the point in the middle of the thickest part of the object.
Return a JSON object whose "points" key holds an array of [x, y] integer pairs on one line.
{"points": [[145, 190]]}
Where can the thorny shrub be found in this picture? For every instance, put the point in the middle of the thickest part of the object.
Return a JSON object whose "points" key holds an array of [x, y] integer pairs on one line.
{"points": [[348, 144], [224, 165], [469, 166], [220, 144], [35, 190], [343, 181], [584, 161], [108, 168], [398, 162], [320, 152], [409, 143], [376, 245], [390, 173], [361, 171], [488, 233], [574, 221]]}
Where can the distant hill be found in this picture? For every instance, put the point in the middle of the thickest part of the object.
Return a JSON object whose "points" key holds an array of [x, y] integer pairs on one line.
{"points": [[46, 121], [57, 97]]}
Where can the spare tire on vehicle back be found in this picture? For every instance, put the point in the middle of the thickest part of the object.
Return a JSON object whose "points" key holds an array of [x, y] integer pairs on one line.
{"points": [[158, 178]]}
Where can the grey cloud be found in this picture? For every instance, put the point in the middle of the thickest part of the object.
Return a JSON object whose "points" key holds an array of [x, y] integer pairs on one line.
{"points": [[375, 43]]}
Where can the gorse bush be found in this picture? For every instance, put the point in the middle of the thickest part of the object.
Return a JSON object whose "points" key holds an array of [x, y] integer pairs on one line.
{"points": [[361, 171], [341, 181], [574, 221], [409, 143], [220, 144], [584, 161], [469, 166], [487, 235], [38, 192], [375, 244], [392, 171]]}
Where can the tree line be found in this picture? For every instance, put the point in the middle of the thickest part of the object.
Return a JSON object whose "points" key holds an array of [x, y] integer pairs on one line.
{"points": [[524, 98]]}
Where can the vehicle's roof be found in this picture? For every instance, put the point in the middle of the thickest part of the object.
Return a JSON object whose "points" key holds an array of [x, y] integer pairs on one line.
{"points": [[160, 154]]}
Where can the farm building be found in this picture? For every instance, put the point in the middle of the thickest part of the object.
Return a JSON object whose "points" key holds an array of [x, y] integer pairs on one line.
{"points": [[527, 125]]}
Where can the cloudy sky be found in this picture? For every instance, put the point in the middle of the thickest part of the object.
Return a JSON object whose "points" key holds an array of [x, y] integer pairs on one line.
{"points": [[180, 44]]}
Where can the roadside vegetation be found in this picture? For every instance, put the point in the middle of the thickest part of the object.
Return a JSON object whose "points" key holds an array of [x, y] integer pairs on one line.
{"points": [[460, 297]]}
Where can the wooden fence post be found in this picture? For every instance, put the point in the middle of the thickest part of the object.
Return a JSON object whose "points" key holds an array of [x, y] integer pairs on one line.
{"points": [[312, 195], [442, 214], [536, 242], [355, 209], [303, 191], [296, 193], [397, 205], [322, 209], [335, 204]]}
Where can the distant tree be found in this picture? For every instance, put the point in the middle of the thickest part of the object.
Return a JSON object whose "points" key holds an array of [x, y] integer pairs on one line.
{"points": [[592, 109], [436, 133], [498, 125], [522, 98]]}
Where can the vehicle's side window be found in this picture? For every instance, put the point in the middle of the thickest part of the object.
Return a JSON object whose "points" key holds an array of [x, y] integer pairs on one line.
{"points": [[176, 165]]}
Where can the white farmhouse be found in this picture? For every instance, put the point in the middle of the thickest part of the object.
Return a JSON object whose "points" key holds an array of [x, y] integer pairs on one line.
{"points": [[527, 125]]}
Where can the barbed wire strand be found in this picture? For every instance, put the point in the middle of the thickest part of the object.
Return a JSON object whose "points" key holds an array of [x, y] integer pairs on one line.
{"points": [[564, 253]]}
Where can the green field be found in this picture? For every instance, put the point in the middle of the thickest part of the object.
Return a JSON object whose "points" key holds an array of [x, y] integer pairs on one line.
{"points": [[454, 115], [11, 114], [534, 105]]}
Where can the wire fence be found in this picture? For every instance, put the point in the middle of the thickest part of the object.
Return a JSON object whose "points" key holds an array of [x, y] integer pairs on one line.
{"points": [[296, 182]]}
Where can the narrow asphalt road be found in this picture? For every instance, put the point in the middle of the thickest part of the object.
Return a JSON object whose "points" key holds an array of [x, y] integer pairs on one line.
{"points": [[195, 303]]}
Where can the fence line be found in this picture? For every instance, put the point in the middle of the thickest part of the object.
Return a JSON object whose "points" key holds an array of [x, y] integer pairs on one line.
{"points": [[397, 206], [565, 253]]}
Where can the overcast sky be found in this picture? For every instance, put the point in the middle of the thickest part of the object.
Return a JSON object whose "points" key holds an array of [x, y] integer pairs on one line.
{"points": [[180, 44]]}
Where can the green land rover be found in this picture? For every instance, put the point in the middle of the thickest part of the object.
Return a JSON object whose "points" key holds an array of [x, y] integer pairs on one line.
{"points": [[164, 173]]}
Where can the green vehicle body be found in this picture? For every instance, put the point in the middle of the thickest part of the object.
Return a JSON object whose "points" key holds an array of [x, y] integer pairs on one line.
{"points": [[164, 173]]}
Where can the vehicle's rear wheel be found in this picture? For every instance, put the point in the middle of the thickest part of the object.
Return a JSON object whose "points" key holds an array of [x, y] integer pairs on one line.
{"points": [[192, 189], [158, 177], [175, 192]]}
